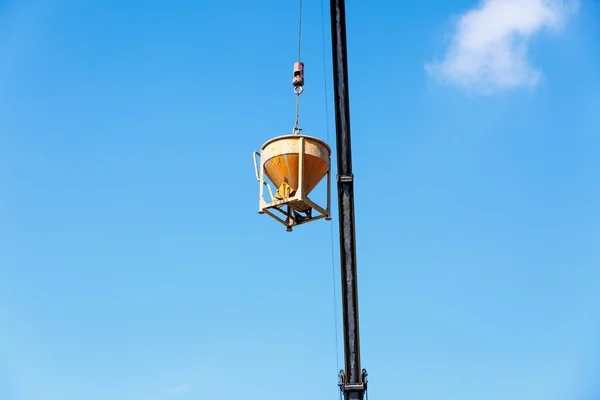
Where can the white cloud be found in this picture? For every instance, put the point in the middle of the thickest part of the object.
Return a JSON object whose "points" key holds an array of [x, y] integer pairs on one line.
{"points": [[490, 42]]}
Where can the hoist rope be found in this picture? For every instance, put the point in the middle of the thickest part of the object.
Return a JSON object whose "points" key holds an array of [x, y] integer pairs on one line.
{"points": [[298, 89], [300, 31], [296, 127], [327, 119]]}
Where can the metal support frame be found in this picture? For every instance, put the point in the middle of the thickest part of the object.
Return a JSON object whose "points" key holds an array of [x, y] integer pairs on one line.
{"points": [[288, 207], [353, 380], [353, 387]]}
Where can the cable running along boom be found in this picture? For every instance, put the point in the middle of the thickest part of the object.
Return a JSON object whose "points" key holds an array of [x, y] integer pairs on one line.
{"points": [[353, 380]]}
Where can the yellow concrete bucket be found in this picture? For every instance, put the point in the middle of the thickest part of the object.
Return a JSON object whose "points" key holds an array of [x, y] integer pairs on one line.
{"points": [[280, 158]]}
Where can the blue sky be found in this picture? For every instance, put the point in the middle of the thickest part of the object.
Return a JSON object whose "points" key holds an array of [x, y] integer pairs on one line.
{"points": [[134, 265]]}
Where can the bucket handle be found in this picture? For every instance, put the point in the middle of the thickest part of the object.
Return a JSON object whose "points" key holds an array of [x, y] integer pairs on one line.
{"points": [[256, 153]]}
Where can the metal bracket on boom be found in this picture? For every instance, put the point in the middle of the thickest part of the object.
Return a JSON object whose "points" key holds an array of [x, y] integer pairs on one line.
{"points": [[345, 178], [353, 387]]}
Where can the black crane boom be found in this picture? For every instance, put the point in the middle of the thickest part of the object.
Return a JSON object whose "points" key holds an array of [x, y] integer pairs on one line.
{"points": [[352, 379]]}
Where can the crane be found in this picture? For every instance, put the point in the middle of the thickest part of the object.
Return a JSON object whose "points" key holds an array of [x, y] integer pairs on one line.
{"points": [[296, 164]]}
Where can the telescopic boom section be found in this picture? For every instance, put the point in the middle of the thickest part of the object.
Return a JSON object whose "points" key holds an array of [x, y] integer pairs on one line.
{"points": [[352, 379]]}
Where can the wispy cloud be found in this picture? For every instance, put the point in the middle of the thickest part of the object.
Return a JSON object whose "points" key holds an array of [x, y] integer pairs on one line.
{"points": [[180, 389], [489, 44]]}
